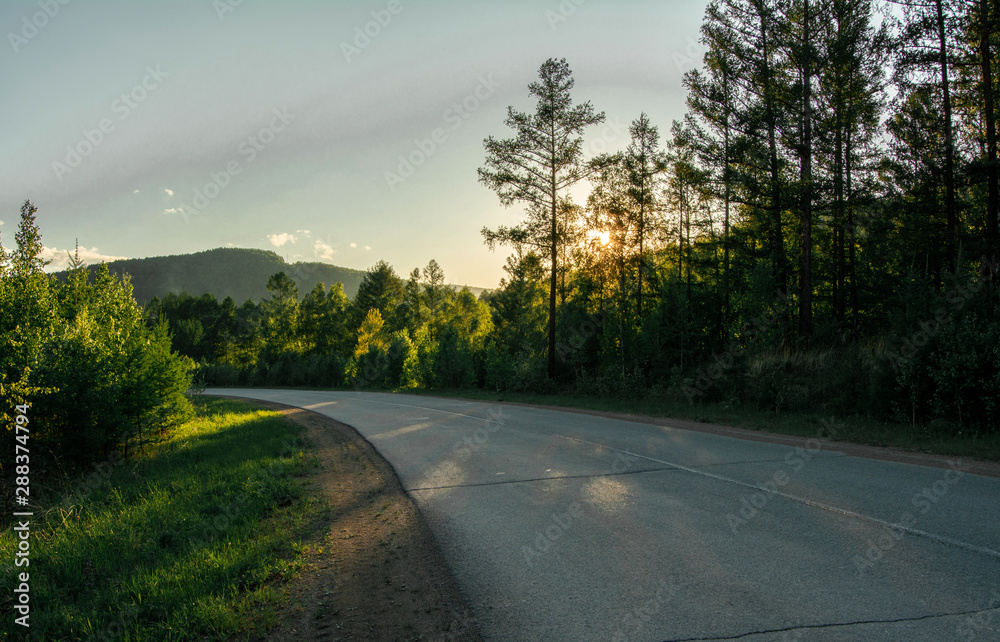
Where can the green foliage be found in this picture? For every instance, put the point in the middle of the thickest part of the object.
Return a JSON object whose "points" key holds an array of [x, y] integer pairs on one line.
{"points": [[183, 544], [800, 185], [947, 366], [99, 381], [380, 290]]}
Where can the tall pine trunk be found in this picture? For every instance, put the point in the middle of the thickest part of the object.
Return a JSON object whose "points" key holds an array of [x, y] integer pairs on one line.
{"points": [[805, 254], [987, 27], [852, 236], [777, 237], [949, 142], [552, 281]]}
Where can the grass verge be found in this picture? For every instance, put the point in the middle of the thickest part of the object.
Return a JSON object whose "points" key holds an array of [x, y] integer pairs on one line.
{"points": [[187, 542], [249, 523]]}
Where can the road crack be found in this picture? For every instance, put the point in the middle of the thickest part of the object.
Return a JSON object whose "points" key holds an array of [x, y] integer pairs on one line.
{"points": [[833, 625], [541, 479]]}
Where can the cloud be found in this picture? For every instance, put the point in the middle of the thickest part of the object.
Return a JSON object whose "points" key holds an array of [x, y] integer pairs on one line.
{"points": [[277, 240], [168, 191], [136, 192], [324, 251], [303, 232], [368, 247], [60, 258], [1, 223], [354, 244], [173, 210]]}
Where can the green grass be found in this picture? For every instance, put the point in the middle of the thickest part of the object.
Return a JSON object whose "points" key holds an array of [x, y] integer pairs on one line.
{"points": [[189, 542], [951, 440]]}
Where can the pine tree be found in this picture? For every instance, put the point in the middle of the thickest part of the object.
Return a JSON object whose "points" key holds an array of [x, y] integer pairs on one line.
{"points": [[435, 293], [850, 95], [27, 258], [414, 301], [747, 41], [925, 58], [280, 312], [645, 163], [381, 290], [539, 164]]}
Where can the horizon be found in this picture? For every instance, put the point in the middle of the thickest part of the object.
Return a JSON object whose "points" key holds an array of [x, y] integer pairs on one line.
{"points": [[304, 287], [353, 136]]}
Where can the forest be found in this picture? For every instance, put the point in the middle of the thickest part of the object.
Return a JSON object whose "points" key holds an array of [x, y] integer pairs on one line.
{"points": [[818, 233]]}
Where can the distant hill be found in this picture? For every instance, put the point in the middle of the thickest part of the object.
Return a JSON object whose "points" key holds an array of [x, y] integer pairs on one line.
{"points": [[236, 272]]}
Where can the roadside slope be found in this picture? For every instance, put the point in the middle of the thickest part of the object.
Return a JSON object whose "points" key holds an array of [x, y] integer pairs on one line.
{"points": [[378, 573]]}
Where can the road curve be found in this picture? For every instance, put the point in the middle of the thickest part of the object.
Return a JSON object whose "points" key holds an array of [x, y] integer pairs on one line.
{"points": [[565, 526]]}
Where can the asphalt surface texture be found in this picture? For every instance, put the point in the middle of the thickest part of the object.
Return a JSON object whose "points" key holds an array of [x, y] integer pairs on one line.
{"points": [[566, 526]]}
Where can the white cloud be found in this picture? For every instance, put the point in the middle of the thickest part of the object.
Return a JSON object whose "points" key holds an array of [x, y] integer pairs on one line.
{"points": [[324, 251], [277, 240], [354, 244], [368, 247], [303, 232], [60, 258], [168, 191], [136, 192], [1, 223], [173, 210], [230, 245]]}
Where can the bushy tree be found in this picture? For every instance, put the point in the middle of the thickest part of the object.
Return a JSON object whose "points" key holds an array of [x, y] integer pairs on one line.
{"points": [[381, 289], [99, 381]]}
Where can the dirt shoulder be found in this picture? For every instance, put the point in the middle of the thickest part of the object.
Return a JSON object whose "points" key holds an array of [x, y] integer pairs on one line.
{"points": [[378, 573]]}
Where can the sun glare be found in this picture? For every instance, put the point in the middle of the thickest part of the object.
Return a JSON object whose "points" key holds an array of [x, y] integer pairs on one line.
{"points": [[602, 237]]}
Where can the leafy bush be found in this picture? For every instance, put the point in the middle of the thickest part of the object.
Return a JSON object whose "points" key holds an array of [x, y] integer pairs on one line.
{"points": [[99, 381]]}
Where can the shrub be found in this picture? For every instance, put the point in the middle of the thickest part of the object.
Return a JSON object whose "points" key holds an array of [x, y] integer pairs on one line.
{"points": [[99, 381]]}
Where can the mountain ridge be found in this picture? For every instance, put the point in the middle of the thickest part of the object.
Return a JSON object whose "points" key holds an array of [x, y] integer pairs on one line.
{"points": [[241, 273]]}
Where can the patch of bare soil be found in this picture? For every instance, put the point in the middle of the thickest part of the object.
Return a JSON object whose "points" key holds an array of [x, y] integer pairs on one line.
{"points": [[378, 573]]}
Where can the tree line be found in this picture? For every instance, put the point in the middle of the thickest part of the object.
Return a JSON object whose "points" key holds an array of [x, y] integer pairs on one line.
{"points": [[818, 232]]}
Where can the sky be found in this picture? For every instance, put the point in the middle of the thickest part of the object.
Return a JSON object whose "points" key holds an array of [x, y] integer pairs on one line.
{"points": [[341, 132]]}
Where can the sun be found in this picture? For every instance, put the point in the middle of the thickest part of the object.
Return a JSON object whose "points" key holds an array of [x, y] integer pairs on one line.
{"points": [[602, 237]]}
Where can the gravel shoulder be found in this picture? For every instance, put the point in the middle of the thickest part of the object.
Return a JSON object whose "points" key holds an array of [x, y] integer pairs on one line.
{"points": [[378, 572]]}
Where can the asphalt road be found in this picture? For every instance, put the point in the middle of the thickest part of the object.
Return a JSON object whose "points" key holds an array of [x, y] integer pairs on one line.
{"points": [[565, 526]]}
